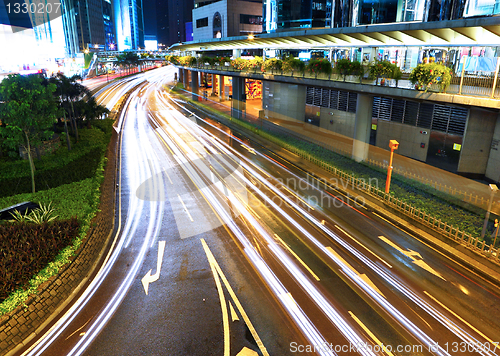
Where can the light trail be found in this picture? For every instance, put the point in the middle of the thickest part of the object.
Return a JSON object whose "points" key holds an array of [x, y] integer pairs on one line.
{"points": [[404, 290]]}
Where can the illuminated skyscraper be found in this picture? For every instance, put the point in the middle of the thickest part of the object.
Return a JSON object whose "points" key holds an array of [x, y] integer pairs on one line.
{"points": [[129, 24]]}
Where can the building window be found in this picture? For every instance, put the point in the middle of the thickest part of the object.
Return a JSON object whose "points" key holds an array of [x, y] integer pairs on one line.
{"points": [[217, 25], [202, 22], [250, 19]]}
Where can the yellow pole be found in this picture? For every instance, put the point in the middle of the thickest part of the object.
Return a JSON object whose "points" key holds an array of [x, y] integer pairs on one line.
{"points": [[389, 173]]}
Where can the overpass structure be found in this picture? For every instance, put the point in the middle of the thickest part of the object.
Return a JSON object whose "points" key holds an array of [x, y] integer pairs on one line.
{"points": [[458, 130]]}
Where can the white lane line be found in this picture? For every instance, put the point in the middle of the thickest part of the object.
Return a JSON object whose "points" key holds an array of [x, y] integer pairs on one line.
{"points": [[170, 180], [359, 243], [465, 322], [363, 326], [236, 301], [297, 257], [187, 211]]}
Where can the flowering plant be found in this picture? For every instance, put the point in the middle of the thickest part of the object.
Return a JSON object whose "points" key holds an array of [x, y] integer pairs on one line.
{"points": [[272, 64], [317, 66], [346, 67], [424, 75]]}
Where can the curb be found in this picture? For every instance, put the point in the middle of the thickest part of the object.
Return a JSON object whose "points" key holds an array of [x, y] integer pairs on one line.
{"points": [[19, 327]]}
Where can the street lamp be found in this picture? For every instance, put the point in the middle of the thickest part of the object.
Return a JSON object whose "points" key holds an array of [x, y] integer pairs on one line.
{"points": [[496, 234], [393, 145], [493, 190]]}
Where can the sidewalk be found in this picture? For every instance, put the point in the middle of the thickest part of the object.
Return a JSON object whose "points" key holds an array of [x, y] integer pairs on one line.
{"points": [[466, 189]]}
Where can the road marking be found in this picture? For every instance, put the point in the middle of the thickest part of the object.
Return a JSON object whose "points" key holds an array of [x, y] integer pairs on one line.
{"points": [[412, 255], [251, 150], [234, 316], [148, 278], [236, 301], [465, 322], [363, 326], [297, 257], [165, 171], [362, 276], [187, 211], [297, 196], [245, 351], [80, 328], [355, 240], [225, 317]]}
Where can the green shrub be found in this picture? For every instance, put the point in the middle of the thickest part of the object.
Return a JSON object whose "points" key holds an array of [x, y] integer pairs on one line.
{"points": [[345, 67], [273, 64], [319, 66], [62, 167]]}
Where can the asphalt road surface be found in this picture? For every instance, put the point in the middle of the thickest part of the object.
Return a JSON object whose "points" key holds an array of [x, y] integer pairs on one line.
{"points": [[226, 247]]}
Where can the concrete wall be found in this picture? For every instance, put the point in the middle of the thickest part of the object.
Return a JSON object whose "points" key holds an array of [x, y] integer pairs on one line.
{"points": [[284, 101], [493, 165], [409, 138], [343, 121], [477, 141]]}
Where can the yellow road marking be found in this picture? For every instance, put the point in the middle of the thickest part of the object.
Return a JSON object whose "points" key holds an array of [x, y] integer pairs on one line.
{"points": [[460, 318], [363, 326], [297, 257], [345, 232], [225, 317], [236, 301]]}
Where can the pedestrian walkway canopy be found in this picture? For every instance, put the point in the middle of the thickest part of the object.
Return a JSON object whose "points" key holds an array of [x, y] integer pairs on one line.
{"points": [[483, 31]]}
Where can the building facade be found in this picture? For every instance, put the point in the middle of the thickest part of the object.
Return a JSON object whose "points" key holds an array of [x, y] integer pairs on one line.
{"points": [[226, 18], [129, 24], [38, 42], [290, 14], [172, 17]]}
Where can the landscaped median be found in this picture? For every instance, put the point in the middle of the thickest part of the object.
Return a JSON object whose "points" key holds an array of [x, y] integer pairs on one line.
{"points": [[443, 213], [71, 182]]}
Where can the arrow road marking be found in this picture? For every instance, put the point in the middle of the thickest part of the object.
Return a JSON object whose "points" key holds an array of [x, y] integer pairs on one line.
{"points": [[363, 276], [414, 256], [245, 351], [148, 278]]}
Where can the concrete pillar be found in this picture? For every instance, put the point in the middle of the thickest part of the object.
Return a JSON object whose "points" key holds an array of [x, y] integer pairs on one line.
{"points": [[221, 87], [181, 75], [238, 102], [214, 82], [236, 53], [186, 78], [195, 86], [362, 127]]}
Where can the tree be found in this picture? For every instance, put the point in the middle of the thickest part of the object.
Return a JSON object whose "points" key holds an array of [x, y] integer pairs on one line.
{"points": [[69, 91], [28, 109], [128, 59]]}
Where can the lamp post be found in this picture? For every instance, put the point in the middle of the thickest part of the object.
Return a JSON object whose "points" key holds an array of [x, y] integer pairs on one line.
{"points": [[496, 234], [493, 189], [393, 145]]}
